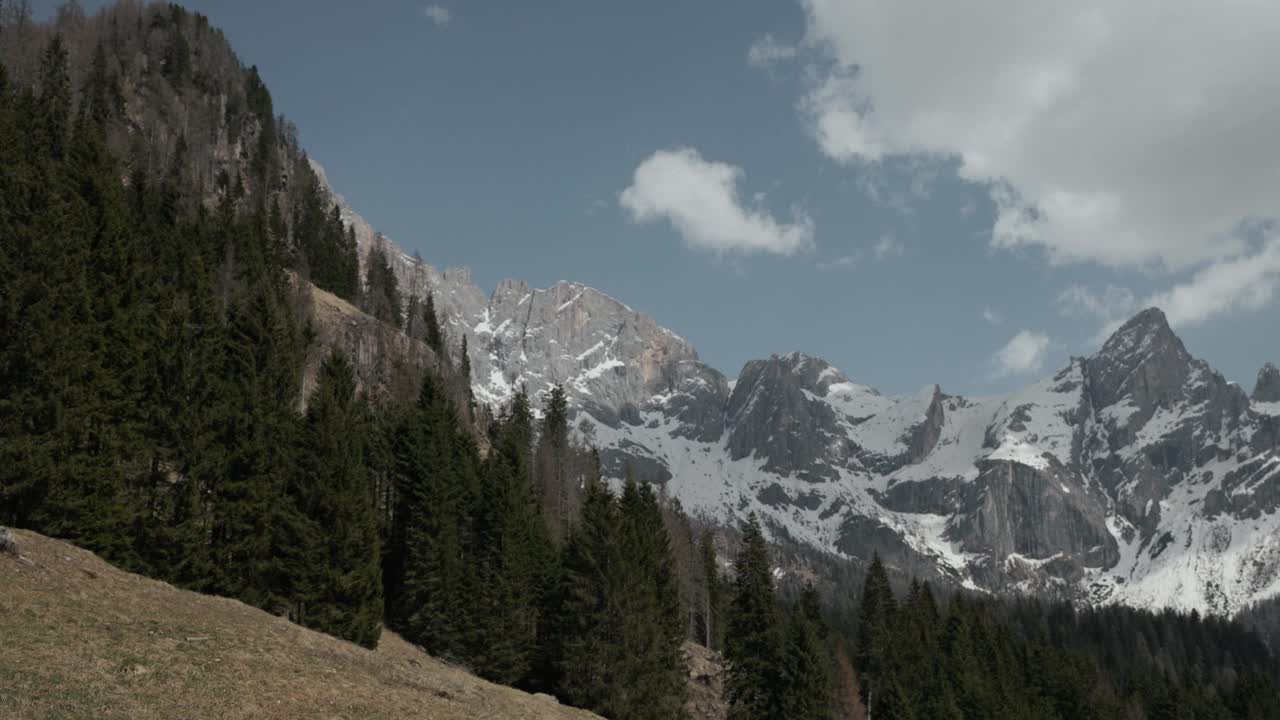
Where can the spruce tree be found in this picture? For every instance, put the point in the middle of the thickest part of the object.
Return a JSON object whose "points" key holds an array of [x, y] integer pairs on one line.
{"points": [[264, 352], [464, 373], [589, 628], [875, 622], [807, 667], [72, 405], [712, 611], [434, 334], [753, 641], [53, 112], [517, 562], [425, 594], [552, 453], [382, 292], [464, 369], [653, 624], [619, 625], [334, 494]]}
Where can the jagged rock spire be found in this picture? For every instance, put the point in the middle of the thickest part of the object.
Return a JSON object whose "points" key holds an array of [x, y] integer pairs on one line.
{"points": [[1139, 359], [1267, 388]]}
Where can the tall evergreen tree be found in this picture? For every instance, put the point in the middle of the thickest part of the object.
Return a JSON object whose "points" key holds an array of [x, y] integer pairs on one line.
{"points": [[589, 629], [653, 621], [333, 493], [517, 563], [264, 355], [712, 612], [425, 591], [464, 374], [381, 290], [53, 111], [553, 456], [806, 665], [753, 640], [875, 619], [620, 624], [434, 334]]}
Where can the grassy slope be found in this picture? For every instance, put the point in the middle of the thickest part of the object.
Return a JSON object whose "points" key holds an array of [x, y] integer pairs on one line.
{"points": [[82, 639]]}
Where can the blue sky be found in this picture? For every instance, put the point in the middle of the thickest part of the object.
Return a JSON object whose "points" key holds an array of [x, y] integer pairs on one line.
{"points": [[968, 204]]}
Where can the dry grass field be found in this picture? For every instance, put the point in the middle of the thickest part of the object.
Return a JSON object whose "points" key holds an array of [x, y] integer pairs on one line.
{"points": [[82, 639]]}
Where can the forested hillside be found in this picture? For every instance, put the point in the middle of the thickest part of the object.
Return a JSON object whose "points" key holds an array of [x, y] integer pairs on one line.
{"points": [[161, 226]]}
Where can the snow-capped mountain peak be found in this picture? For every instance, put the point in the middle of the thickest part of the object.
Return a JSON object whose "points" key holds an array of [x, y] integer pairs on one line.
{"points": [[1135, 475]]}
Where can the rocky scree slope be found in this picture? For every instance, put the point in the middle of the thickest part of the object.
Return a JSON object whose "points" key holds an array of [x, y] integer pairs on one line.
{"points": [[1135, 475]]}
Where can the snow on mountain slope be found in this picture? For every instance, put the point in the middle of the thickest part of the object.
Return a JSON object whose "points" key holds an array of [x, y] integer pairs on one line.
{"points": [[1135, 475]]}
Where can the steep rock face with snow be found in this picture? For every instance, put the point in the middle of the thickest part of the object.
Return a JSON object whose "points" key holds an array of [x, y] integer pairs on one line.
{"points": [[1267, 389], [1136, 475]]}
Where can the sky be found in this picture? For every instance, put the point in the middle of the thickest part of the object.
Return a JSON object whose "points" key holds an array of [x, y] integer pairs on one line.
{"points": [[953, 193]]}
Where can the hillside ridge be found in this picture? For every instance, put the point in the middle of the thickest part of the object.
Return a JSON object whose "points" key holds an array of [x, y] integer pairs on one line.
{"points": [[83, 639]]}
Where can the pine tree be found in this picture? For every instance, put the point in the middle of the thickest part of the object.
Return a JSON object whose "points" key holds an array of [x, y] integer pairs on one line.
{"points": [[464, 373], [53, 113], [517, 564], [807, 667], [712, 611], [552, 453], [264, 354], [892, 701], [382, 292], [465, 368], [875, 621], [327, 245], [434, 334], [73, 420], [753, 640], [653, 621], [589, 632], [425, 593], [334, 495]]}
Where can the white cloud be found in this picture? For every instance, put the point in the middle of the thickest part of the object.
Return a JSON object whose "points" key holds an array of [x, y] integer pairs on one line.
{"points": [[1024, 353], [1246, 282], [992, 317], [844, 261], [1113, 303], [1110, 307], [766, 51], [437, 14], [887, 245], [700, 199], [1131, 134]]}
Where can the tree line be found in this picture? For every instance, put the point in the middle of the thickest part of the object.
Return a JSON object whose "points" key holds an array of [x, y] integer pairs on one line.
{"points": [[151, 361]]}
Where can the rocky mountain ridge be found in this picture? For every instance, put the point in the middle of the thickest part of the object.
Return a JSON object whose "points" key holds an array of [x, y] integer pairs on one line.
{"points": [[1135, 475]]}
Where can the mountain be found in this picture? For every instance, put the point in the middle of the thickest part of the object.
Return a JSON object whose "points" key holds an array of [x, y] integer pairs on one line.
{"points": [[84, 639], [1135, 475]]}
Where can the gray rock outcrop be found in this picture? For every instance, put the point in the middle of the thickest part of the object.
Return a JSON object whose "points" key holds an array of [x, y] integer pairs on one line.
{"points": [[8, 543], [1267, 388]]}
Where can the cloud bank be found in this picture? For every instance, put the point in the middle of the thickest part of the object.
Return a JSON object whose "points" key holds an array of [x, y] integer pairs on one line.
{"points": [[1130, 134]]}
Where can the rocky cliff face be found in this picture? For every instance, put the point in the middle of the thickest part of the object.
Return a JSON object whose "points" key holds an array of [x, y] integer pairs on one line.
{"points": [[1135, 475], [1267, 389], [385, 360]]}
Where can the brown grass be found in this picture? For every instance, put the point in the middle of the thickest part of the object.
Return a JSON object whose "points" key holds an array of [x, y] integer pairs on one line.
{"points": [[82, 639]]}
